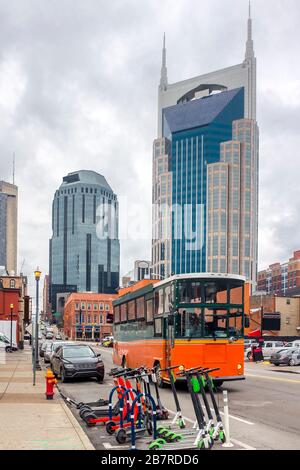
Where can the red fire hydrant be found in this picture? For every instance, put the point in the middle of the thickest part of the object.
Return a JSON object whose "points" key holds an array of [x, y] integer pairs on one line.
{"points": [[50, 384]]}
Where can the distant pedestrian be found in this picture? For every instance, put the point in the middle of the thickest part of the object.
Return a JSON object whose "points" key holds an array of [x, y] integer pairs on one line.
{"points": [[257, 352]]}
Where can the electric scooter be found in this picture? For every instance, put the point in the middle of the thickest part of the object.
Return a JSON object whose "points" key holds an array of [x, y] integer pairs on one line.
{"points": [[216, 430]]}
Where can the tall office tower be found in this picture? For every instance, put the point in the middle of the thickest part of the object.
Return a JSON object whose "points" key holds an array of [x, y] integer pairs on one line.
{"points": [[8, 226], [198, 118], [232, 204], [84, 248]]}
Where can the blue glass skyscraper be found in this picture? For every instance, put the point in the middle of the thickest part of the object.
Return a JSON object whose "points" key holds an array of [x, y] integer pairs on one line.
{"points": [[196, 129], [84, 248]]}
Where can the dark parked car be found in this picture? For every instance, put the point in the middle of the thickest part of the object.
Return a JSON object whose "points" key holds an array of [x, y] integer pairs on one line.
{"points": [[283, 357], [70, 362]]}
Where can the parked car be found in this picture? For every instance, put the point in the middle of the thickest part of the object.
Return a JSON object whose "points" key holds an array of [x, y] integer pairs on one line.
{"points": [[47, 353], [70, 362], [58, 337], [272, 347], [296, 344], [295, 359], [248, 343], [49, 335], [55, 345], [43, 348], [283, 357], [108, 342], [5, 343]]}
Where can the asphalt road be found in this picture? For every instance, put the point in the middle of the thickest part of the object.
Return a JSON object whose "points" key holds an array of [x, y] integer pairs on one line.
{"points": [[264, 409]]}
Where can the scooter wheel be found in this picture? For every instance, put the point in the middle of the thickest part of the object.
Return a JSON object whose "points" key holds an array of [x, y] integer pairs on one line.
{"points": [[155, 446], [87, 417], [222, 437], [121, 436], [83, 411], [109, 427]]}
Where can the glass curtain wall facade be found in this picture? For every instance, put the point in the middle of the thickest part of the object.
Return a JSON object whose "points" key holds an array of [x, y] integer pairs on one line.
{"points": [[84, 248], [194, 147]]}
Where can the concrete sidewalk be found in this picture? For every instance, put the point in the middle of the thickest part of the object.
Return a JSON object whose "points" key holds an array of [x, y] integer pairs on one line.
{"points": [[27, 420]]}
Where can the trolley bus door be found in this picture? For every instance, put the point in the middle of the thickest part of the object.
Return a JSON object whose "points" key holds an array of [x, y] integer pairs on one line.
{"points": [[169, 338]]}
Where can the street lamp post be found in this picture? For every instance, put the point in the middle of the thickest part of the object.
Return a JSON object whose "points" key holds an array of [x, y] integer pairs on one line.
{"points": [[11, 325], [36, 365]]}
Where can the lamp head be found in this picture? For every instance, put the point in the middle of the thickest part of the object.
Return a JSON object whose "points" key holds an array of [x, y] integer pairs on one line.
{"points": [[11, 306], [37, 274]]}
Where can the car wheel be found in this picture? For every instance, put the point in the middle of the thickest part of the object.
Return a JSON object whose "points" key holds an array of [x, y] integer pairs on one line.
{"points": [[292, 362], [100, 378], [62, 376]]}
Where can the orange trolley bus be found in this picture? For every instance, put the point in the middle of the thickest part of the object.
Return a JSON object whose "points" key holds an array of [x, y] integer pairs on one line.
{"points": [[188, 319]]}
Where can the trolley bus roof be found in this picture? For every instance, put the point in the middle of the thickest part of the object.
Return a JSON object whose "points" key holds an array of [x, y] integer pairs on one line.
{"points": [[211, 276]]}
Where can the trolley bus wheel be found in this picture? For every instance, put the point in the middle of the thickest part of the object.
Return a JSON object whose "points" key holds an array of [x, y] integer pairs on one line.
{"points": [[218, 383], [121, 436], [159, 380]]}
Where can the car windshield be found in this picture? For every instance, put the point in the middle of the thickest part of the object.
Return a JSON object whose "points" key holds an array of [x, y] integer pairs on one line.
{"points": [[76, 351]]}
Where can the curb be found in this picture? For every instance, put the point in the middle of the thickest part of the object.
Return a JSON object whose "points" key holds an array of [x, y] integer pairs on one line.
{"points": [[83, 437]]}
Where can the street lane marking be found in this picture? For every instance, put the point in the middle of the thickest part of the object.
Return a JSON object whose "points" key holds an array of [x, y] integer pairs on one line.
{"points": [[109, 446], [235, 441], [221, 412], [241, 444], [238, 419], [279, 379]]}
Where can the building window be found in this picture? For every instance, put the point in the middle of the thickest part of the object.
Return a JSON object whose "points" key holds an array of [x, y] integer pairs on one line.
{"points": [[77, 306], [95, 318], [89, 318], [89, 307], [101, 306], [12, 283], [95, 306], [77, 318], [107, 307], [82, 306], [101, 319]]}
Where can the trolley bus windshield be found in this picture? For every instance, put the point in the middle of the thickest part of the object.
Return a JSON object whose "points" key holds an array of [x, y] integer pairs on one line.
{"points": [[209, 309]]}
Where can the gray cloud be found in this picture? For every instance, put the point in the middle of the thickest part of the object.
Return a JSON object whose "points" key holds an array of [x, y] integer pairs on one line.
{"points": [[78, 89]]}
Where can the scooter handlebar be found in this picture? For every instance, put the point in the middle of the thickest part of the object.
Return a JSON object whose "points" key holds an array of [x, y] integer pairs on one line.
{"points": [[169, 368]]}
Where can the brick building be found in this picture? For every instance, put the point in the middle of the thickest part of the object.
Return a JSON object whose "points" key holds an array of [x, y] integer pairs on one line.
{"points": [[13, 291], [281, 279], [88, 316], [288, 309]]}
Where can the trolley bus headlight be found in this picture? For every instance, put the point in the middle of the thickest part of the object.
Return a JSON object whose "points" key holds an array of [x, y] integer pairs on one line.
{"points": [[239, 366]]}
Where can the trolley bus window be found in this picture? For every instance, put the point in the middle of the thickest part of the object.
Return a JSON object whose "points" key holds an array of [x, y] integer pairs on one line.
{"points": [[140, 308], [117, 315], [159, 302], [188, 323], [191, 323], [158, 327], [149, 311]]}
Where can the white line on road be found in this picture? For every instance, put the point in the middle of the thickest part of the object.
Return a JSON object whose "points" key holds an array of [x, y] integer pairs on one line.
{"points": [[235, 441], [241, 444], [221, 412], [108, 446], [238, 419]]}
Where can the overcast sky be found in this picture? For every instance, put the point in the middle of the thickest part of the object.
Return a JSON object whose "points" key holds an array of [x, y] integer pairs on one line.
{"points": [[78, 90]]}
